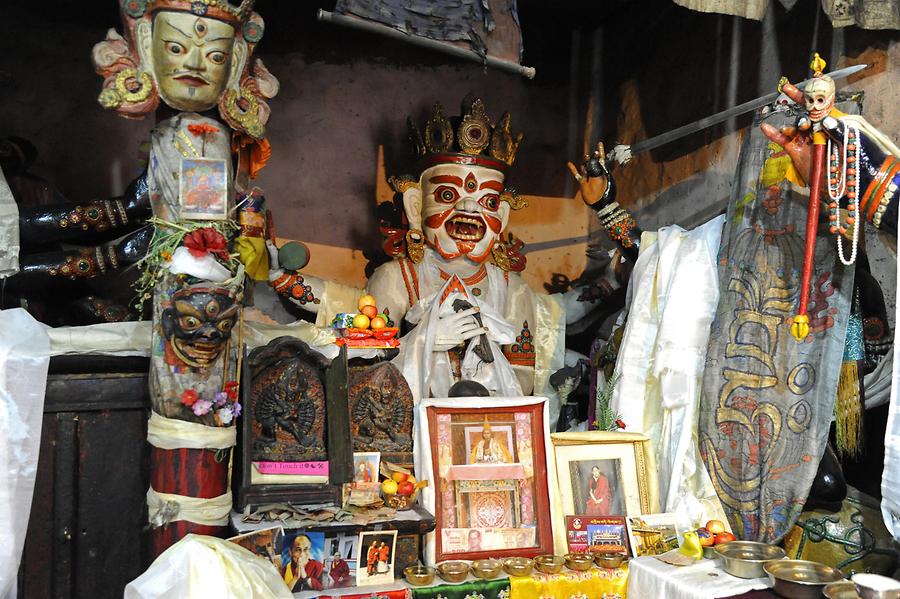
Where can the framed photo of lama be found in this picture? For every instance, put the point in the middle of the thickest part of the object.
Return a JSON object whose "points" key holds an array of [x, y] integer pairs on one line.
{"points": [[487, 463], [601, 474]]}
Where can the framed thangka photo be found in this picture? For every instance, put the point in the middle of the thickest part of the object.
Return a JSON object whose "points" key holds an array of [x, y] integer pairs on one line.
{"points": [[203, 189], [488, 463], [601, 474]]}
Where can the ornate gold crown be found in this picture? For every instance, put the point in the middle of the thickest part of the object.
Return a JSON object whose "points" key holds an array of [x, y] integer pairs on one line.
{"points": [[475, 140], [236, 12]]}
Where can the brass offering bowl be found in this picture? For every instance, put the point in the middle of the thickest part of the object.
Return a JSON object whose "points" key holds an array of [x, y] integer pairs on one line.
{"points": [[841, 590], [875, 586], [455, 571], [745, 559], [800, 579], [609, 559], [419, 575], [487, 568], [549, 564], [579, 561], [518, 566]]}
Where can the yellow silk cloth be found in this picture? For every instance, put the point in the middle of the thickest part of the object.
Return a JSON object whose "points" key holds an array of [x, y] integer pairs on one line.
{"points": [[252, 252], [596, 583]]}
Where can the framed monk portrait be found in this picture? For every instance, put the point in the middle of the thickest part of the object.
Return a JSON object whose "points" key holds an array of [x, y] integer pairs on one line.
{"points": [[487, 461]]}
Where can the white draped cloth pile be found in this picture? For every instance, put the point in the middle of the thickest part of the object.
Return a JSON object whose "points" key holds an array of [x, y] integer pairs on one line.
{"points": [[673, 295]]}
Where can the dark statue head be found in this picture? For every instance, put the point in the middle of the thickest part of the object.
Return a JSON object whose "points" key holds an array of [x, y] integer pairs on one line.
{"points": [[198, 324]]}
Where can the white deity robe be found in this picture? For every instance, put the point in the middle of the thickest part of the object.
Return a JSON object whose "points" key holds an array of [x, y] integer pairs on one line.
{"points": [[526, 330]]}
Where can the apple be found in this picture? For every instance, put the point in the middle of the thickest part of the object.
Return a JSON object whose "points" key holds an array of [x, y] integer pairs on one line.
{"points": [[370, 311], [400, 477], [715, 526], [725, 537], [389, 487], [706, 537], [405, 488]]}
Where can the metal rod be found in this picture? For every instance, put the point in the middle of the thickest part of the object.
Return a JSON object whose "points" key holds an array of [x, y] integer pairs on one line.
{"points": [[424, 42]]}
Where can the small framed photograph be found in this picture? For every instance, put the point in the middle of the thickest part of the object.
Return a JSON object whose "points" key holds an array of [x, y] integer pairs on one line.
{"points": [[203, 189], [601, 474], [265, 543], [302, 558], [375, 563], [596, 534], [653, 534], [488, 464], [365, 489], [340, 561]]}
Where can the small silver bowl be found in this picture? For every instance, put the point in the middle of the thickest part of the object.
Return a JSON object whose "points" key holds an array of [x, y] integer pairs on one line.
{"points": [[549, 564], [841, 590], [745, 559], [454, 571], [875, 586], [609, 559], [800, 579]]}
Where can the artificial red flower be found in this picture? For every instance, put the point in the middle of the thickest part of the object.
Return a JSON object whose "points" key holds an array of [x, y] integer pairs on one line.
{"points": [[206, 241], [199, 129], [189, 397], [231, 388], [620, 423]]}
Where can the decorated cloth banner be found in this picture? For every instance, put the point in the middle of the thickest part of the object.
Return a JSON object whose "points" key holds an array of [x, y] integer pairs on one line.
{"points": [[767, 400], [596, 583], [479, 589]]}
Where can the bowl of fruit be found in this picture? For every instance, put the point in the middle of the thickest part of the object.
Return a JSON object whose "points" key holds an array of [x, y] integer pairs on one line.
{"points": [[401, 490], [712, 535], [366, 328]]}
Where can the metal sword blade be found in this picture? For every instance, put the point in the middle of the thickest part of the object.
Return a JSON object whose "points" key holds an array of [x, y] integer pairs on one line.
{"points": [[709, 121]]}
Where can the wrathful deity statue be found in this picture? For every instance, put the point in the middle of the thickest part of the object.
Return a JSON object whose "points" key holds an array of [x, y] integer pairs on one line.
{"points": [[451, 277], [190, 62]]}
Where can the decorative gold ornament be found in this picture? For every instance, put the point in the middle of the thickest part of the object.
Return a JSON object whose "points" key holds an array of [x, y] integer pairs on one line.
{"points": [[503, 144], [817, 65], [501, 258], [438, 131], [237, 12], [512, 197], [248, 116], [474, 136], [415, 245], [126, 90], [474, 133], [402, 183], [109, 98]]}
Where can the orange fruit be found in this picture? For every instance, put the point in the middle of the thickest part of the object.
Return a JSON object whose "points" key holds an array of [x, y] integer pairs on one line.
{"points": [[366, 300], [400, 477], [369, 310], [361, 321], [378, 323]]}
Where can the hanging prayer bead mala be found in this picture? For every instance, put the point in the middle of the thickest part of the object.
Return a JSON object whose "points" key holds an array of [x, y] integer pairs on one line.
{"points": [[843, 178]]}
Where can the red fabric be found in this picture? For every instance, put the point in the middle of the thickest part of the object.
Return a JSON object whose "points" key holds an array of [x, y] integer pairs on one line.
{"points": [[600, 489]]}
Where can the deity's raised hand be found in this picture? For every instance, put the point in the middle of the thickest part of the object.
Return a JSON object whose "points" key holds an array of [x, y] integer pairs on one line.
{"points": [[593, 177]]}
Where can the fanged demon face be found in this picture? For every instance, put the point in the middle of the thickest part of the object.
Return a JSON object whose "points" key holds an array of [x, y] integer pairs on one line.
{"points": [[198, 325], [461, 211], [819, 95]]}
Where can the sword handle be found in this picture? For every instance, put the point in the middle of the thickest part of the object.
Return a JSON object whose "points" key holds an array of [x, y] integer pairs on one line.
{"points": [[800, 326]]}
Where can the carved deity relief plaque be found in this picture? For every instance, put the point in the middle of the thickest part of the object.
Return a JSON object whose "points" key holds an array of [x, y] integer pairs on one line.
{"points": [[381, 405]]}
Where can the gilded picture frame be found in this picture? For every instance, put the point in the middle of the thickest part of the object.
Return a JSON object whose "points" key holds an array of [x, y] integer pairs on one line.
{"points": [[601, 474]]}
